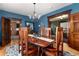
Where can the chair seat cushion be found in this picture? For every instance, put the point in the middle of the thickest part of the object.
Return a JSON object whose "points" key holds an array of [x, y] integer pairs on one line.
{"points": [[49, 53], [30, 52], [51, 49], [29, 47]]}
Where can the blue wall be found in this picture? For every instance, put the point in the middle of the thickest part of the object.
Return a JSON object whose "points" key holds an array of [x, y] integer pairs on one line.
{"points": [[36, 25], [44, 20], [11, 15]]}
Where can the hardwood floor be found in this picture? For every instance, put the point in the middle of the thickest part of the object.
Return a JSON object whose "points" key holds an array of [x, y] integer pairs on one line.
{"points": [[2, 49], [71, 50], [66, 48]]}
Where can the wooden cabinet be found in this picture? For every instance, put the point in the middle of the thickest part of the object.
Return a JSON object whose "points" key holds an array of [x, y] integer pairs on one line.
{"points": [[74, 31]]}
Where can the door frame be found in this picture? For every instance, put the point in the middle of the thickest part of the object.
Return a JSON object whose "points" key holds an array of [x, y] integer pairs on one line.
{"points": [[3, 17], [3, 31], [59, 14]]}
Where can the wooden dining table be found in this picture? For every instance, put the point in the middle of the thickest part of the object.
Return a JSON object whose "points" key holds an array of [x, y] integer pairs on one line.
{"points": [[39, 41]]}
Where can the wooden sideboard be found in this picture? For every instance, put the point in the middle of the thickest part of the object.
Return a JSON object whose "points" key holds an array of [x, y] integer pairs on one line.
{"points": [[74, 31]]}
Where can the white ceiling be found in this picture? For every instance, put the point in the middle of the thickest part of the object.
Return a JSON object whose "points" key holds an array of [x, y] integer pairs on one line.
{"points": [[28, 8]]}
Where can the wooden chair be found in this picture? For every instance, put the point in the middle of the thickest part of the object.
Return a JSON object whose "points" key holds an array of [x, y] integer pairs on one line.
{"points": [[45, 32], [58, 49], [48, 32], [21, 38], [27, 50]]}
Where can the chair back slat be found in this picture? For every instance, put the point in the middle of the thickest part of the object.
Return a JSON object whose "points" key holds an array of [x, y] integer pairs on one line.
{"points": [[25, 30], [59, 39], [21, 34]]}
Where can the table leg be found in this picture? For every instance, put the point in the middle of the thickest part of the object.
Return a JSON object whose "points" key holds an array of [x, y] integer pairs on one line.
{"points": [[41, 51], [38, 50]]}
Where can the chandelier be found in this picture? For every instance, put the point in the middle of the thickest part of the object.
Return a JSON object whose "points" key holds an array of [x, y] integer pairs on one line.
{"points": [[34, 16]]}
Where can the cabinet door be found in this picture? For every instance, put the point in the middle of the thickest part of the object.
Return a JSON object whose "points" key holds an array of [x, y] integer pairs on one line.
{"points": [[74, 31]]}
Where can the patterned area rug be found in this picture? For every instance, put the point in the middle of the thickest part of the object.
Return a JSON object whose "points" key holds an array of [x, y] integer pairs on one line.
{"points": [[14, 51], [65, 53]]}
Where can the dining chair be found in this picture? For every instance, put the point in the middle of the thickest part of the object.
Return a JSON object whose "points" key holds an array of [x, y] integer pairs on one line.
{"points": [[29, 50], [21, 38], [48, 32], [45, 32], [58, 45]]}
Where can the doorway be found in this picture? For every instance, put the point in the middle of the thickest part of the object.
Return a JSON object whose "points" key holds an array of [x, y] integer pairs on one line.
{"points": [[15, 25], [10, 29]]}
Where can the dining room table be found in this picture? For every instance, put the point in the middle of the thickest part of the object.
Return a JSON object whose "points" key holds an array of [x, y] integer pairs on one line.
{"points": [[41, 42]]}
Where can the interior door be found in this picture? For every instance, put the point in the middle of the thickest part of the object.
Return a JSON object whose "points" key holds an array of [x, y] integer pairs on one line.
{"points": [[6, 32], [74, 31]]}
